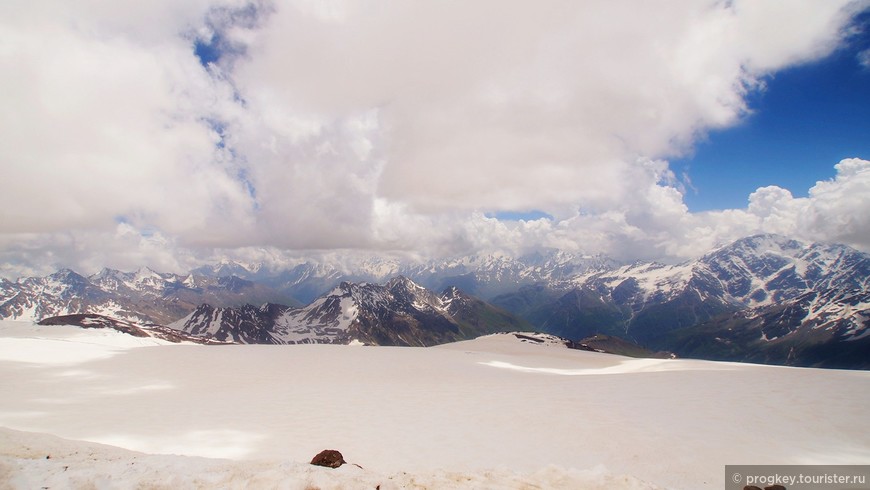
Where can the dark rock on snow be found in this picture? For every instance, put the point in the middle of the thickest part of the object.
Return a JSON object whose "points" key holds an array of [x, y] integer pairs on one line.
{"points": [[329, 458]]}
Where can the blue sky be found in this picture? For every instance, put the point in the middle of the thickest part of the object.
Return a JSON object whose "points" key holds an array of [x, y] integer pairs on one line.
{"points": [[807, 119]]}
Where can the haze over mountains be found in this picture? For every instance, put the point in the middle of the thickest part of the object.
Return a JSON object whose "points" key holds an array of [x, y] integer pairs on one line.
{"points": [[144, 295], [764, 298]]}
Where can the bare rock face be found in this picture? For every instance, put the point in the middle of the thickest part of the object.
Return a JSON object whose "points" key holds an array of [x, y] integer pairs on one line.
{"points": [[329, 458]]}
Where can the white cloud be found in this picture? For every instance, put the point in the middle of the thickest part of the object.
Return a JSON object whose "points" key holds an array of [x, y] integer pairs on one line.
{"points": [[837, 209], [833, 211], [496, 105], [123, 247], [99, 125], [387, 125]]}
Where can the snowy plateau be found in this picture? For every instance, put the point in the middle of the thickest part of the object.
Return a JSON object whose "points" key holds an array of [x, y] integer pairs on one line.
{"points": [[96, 408]]}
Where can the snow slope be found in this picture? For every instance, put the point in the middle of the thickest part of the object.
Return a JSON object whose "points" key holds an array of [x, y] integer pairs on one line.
{"points": [[61, 345], [492, 412], [72, 464]]}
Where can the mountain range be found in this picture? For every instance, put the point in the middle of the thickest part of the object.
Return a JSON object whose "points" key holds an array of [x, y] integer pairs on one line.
{"points": [[399, 312], [764, 298], [144, 296]]}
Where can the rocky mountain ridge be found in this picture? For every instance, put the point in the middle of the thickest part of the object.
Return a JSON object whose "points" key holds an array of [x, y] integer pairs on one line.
{"points": [[772, 286], [90, 320], [399, 312]]}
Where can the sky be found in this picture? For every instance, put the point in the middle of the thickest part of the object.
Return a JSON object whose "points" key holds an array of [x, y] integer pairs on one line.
{"points": [[807, 116], [171, 134]]}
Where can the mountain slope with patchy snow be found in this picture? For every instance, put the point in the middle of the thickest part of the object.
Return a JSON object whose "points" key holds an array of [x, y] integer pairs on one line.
{"points": [[400, 312], [772, 286]]}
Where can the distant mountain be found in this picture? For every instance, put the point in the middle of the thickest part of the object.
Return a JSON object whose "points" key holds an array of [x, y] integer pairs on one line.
{"points": [[399, 312], [143, 296], [771, 287], [821, 329], [487, 276], [306, 281], [482, 275]]}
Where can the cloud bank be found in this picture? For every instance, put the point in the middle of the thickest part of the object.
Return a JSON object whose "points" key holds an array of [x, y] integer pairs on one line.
{"points": [[387, 126]]}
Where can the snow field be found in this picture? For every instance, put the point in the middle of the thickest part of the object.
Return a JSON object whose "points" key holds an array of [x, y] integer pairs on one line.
{"points": [[488, 412], [75, 464]]}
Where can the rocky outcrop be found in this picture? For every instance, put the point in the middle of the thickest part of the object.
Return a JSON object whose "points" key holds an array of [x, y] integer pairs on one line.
{"points": [[329, 458]]}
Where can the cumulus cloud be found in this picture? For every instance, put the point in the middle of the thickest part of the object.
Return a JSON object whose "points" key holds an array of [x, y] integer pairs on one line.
{"points": [[124, 248], [496, 105], [837, 209], [105, 119], [387, 126], [832, 212]]}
